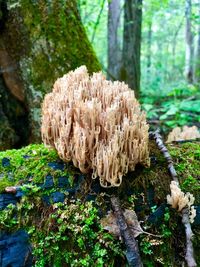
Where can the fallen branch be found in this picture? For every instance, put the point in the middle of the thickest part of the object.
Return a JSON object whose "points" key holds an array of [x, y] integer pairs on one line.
{"points": [[186, 141], [189, 256], [159, 142], [132, 253]]}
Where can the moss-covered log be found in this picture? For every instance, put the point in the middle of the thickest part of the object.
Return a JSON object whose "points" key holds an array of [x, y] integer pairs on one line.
{"points": [[39, 42], [70, 233]]}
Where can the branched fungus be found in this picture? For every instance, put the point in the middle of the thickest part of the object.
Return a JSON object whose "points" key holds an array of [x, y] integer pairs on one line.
{"points": [[97, 124], [179, 200], [187, 133]]}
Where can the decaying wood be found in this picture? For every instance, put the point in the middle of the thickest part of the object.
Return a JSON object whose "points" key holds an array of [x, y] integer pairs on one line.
{"points": [[189, 256], [132, 253]]}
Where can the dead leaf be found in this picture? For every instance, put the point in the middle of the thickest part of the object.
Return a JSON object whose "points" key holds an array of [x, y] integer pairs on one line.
{"points": [[109, 223]]}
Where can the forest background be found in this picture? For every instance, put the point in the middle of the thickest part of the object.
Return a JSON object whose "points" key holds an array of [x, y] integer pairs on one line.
{"points": [[152, 45], [170, 53]]}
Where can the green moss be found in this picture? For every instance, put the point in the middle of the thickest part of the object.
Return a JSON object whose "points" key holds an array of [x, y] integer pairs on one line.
{"points": [[186, 161], [63, 234], [71, 232], [187, 158], [166, 250], [30, 164], [51, 38], [57, 40]]}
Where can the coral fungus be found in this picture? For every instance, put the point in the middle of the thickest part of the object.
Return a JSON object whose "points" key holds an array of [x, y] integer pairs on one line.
{"points": [[187, 133], [179, 200], [97, 124]]}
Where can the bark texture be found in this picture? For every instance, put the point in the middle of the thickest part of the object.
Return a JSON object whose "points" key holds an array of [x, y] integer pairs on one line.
{"points": [[130, 70], [50, 41]]}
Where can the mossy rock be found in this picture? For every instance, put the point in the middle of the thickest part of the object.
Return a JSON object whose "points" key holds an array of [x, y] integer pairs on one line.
{"points": [[60, 208]]}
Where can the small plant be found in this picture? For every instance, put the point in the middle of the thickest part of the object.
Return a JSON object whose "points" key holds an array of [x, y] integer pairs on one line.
{"points": [[62, 233]]}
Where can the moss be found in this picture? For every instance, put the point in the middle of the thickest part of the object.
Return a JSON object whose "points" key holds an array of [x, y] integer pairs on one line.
{"points": [[187, 158], [30, 164], [168, 249], [63, 234], [51, 41], [53, 38], [71, 231], [186, 161]]}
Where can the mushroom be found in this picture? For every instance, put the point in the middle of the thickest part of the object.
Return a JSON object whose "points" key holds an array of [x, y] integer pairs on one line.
{"points": [[96, 124]]}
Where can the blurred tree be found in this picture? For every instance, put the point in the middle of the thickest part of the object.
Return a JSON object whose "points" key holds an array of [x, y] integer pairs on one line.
{"points": [[130, 70], [98, 20], [39, 42], [149, 41], [114, 53], [197, 57], [189, 50]]}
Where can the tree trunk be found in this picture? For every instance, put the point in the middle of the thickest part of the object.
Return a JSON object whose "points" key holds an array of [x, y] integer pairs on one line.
{"points": [[189, 50], [174, 44], [113, 40], [197, 57], [130, 70], [149, 40], [39, 42]]}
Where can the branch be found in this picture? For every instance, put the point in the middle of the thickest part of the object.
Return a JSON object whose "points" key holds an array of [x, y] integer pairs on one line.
{"points": [[132, 253], [189, 256], [159, 142], [98, 20]]}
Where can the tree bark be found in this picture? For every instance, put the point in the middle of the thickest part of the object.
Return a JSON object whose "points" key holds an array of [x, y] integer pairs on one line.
{"points": [[113, 40], [189, 50], [130, 70], [39, 42]]}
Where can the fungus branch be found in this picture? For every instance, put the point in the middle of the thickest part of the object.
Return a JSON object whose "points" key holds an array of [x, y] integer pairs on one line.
{"points": [[179, 200]]}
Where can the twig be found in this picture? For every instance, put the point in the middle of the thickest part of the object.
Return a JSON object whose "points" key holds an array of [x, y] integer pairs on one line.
{"points": [[189, 235], [132, 253], [189, 256], [159, 142], [98, 20]]}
